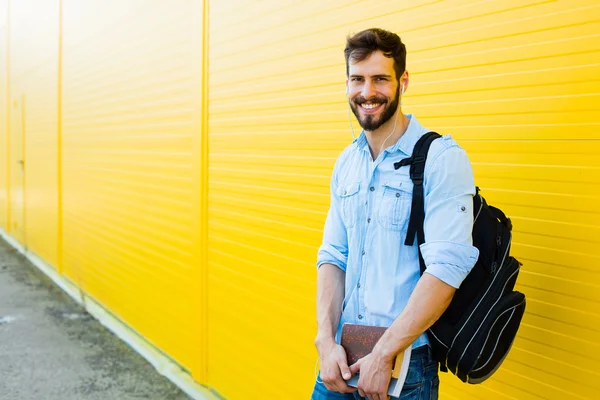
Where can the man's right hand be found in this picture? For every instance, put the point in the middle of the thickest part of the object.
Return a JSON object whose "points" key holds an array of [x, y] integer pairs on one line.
{"points": [[334, 368]]}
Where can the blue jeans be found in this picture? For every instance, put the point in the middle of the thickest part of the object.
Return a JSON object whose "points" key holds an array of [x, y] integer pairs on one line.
{"points": [[422, 381]]}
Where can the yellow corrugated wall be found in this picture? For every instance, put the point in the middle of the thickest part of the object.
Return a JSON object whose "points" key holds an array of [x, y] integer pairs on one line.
{"points": [[34, 96], [4, 114], [17, 66], [102, 157], [515, 82], [132, 83]]}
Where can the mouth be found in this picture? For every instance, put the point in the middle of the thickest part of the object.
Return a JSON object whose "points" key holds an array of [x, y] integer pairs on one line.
{"points": [[370, 107]]}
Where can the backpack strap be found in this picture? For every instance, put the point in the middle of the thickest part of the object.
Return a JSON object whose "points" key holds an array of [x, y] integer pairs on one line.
{"points": [[501, 217], [417, 173]]}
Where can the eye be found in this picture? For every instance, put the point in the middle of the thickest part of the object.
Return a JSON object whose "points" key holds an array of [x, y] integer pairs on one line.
{"points": [[356, 79]]}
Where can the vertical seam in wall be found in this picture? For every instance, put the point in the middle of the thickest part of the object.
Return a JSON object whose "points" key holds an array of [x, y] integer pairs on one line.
{"points": [[204, 182], [24, 171], [59, 244], [8, 108]]}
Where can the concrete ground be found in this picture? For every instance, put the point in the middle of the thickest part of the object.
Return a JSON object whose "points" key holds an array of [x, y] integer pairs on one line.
{"points": [[52, 349]]}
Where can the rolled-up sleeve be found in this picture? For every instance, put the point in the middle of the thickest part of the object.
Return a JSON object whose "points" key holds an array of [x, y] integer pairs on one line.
{"points": [[334, 249], [448, 250]]}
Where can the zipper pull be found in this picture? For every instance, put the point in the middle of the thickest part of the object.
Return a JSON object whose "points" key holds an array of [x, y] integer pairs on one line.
{"points": [[494, 267]]}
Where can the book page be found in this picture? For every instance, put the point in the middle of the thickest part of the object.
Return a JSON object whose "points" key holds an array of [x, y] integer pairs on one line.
{"points": [[395, 386]]}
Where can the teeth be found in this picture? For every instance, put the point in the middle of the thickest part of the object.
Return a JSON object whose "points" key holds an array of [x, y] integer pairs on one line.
{"points": [[370, 106]]}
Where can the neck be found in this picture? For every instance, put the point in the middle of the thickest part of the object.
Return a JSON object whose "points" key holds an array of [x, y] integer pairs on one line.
{"points": [[387, 134]]}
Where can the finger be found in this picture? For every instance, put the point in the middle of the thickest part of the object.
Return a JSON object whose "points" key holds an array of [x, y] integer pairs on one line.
{"points": [[348, 389], [333, 380], [374, 396], [330, 381], [343, 386], [355, 368], [329, 385], [344, 370], [339, 385]]}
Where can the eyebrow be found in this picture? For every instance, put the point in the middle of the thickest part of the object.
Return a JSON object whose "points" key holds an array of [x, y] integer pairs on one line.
{"points": [[374, 76]]}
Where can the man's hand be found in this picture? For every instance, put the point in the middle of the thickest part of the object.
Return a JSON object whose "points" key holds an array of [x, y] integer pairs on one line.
{"points": [[375, 375], [334, 368]]}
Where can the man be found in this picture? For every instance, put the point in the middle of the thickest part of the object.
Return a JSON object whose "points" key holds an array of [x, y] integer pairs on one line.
{"points": [[366, 275]]}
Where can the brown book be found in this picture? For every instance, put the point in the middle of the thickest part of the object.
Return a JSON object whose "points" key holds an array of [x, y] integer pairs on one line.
{"points": [[359, 340]]}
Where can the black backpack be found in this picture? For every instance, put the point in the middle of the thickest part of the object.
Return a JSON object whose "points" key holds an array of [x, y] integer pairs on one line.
{"points": [[476, 332]]}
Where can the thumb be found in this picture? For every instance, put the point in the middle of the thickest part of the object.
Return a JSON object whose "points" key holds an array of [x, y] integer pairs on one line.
{"points": [[346, 374], [355, 368]]}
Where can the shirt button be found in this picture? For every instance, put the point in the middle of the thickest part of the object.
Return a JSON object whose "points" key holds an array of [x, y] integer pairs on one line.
{"points": [[363, 252], [397, 194], [368, 219], [358, 286], [371, 188], [359, 316]]}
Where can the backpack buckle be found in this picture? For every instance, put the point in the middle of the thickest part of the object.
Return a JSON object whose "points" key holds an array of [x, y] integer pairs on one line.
{"points": [[419, 159], [417, 178]]}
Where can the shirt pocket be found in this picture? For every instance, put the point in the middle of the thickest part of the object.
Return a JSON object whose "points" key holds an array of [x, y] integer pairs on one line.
{"points": [[394, 209], [348, 194]]}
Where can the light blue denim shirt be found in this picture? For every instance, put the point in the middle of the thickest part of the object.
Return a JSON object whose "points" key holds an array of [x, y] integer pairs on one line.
{"points": [[368, 218]]}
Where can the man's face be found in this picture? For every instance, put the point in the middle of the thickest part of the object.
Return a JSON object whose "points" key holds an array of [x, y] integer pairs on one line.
{"points": [[373, 90]]}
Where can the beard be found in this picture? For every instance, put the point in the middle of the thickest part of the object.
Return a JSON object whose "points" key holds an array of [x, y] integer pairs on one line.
{"points": [[372, 122]]}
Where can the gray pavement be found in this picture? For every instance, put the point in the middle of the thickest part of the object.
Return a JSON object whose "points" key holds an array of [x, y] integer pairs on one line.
{"points": [[52, 349]]}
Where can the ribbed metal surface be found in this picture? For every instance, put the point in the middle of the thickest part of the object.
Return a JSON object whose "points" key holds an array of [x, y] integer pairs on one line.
{"points": [[130, 111], [520, 91], [515, 82], [4, 111], [17, 65], [34, 87]]}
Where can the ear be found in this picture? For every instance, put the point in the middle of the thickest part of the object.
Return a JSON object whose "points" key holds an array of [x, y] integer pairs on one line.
{"points": [[404, 81]]}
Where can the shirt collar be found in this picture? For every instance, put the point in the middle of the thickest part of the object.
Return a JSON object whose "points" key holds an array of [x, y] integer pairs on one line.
{"points": [[407, 141], [361, 141]]}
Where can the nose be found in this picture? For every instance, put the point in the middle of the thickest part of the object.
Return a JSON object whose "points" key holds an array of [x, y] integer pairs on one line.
{"points": [[368, 90]]}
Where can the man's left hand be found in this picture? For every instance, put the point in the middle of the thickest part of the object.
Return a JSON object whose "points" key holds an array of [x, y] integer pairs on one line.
{"points": [[375, 375]]}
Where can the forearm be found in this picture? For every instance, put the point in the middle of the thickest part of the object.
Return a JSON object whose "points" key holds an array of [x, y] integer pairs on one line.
{"points": [[330, 296], [427, 303]]}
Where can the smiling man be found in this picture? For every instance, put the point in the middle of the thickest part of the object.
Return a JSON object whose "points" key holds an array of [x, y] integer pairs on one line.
{"points": [[366, 274]]}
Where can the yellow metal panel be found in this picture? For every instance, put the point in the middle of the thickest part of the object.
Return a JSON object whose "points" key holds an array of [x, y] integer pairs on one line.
{"points": [[35, 42], [17, 65], [16, 169], [131, 126], [516, 82], [4, 112]]}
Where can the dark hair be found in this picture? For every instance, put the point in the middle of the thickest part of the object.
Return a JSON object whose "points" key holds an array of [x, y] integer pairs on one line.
{"points": [[363, 44]]}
